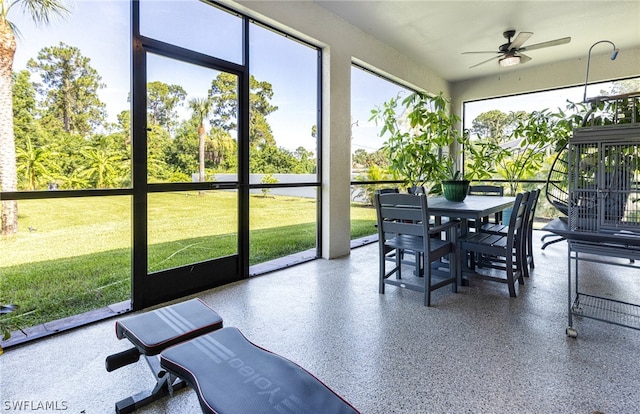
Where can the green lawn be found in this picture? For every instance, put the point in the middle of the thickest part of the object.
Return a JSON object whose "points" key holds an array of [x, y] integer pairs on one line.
{"points": [[74, 255]]}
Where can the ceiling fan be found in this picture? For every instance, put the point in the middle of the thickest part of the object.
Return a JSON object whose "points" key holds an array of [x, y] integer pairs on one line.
{"points": [[510, 53]]}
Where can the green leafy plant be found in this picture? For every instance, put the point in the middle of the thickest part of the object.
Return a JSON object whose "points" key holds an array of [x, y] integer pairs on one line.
{"points": [[531, 141], [483, 157], [419, 137], [7, 326], [268, 179], [452, 173], [367, 191]]}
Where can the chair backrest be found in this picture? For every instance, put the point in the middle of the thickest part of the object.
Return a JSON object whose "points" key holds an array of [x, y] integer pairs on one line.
{"points": [[531, 208], [488, 190], [387, 190], [518, 219], [402, 215]]}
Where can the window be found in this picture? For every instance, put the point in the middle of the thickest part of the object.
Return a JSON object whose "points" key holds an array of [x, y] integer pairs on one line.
{"points": [[283, 147], [197, 26], [77, 195], [369, 163], [72, 250], [494, 120]]}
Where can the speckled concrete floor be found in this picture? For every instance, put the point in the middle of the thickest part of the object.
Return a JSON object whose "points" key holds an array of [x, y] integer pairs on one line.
{"points": [[477, 351]]}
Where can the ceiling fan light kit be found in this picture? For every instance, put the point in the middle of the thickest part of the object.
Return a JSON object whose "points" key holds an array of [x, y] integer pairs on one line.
{"points": [[510, 53], [509, 60]]}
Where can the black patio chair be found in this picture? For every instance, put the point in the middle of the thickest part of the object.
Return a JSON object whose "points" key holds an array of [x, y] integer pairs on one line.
{"points": [[503, 230], [403, 227], [486, 190], [499, 252]]}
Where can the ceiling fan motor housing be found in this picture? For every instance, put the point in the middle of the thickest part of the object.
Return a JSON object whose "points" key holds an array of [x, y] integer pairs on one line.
{"points": [[509, 34]]}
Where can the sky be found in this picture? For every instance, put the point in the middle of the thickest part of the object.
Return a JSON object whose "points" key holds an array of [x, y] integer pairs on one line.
{"points": [[103, 40], [288, 65], [100, 29]]}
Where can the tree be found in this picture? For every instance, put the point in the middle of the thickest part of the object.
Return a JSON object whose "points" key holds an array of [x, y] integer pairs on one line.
{"points": [[531, 141], [69, 89], [272, 160], [102, 167], [222, 150], [124, 126], [69, 159], [496, 125], [306, 161], [183, 151], [35, 165], [224, 97], [40, 12], [362, 159], [367, 192], [24, 107], [162, 102], [267, 179], [201, 108], [159, 144]]}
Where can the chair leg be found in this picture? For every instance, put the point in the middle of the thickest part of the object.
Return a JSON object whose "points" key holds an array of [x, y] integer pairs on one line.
{"points": [[383, 271], [522, 259], [530, 250], [510, 276], [427, 285], [427, 280], [453, 270], [521, 269]]}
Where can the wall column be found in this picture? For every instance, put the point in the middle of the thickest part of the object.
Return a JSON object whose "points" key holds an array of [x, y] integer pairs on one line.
{"points": [[336, 153]]}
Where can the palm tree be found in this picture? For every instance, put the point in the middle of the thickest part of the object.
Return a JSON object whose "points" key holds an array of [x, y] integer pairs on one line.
{"points": [[201, 108], [40, 11], [102, 166], [35, 163]]}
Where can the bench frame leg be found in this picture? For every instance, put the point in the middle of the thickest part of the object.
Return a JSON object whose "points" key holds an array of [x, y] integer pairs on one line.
{"points": [[166, 383]]}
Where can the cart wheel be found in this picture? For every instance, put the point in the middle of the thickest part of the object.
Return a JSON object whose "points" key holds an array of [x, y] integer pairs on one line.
{"points": [[571, 332]]}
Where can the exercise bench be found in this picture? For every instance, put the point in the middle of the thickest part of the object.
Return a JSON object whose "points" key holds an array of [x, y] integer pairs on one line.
{"points": [[151, 333], [231, 375]]}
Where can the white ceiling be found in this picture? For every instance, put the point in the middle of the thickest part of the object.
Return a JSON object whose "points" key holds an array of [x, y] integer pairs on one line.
{"points": [[435, 33]]}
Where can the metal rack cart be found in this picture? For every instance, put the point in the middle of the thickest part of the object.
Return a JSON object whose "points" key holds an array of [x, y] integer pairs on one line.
{"points": [[598, 307]]}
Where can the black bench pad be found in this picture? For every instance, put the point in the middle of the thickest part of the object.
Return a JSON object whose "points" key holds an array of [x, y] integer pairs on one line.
{"points": [[232, 375], [153, 331]]}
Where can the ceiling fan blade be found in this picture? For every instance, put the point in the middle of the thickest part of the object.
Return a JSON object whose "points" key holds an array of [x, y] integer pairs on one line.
{"points": [[485, 61], [520, 39], [478, 52], [546, 44], [523, 58]]}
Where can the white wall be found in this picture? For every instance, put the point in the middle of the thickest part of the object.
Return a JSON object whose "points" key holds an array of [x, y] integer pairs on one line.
{"points": [[341, 44]]}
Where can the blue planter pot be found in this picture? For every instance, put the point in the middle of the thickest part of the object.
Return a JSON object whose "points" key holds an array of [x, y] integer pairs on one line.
{"points": [[506, 215]]}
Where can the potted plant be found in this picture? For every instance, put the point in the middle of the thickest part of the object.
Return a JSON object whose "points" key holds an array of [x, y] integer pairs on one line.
{"points": [[421, 132], [454, 186]]}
